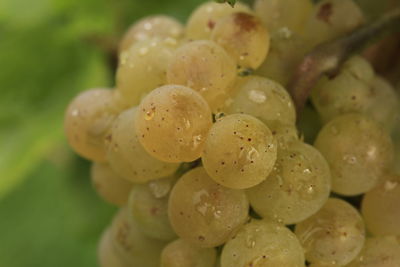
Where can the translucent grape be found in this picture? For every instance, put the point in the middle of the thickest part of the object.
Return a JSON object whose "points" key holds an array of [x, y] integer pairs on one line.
{"points": [[126, 155], [240, 151], [143, 67], [109, 185], [334, 235], [278, 14], [296, 189], [284, 134], [380, 207], [106, 254], [180, 253], [150, 213], [160, 26], [172, 123], [264, 99], [263, 244], [381, 251], [203, 212], [358, 152], [131, 245], [359, 68], [87, 120], [203, 19], [244, 37], [205, 67]]}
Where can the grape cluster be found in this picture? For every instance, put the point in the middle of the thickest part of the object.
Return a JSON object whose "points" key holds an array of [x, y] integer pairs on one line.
{"points": [[197, 144]]}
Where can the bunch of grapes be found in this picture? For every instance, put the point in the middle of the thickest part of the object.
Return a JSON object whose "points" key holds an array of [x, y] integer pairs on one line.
{"points": [[197, 144]]}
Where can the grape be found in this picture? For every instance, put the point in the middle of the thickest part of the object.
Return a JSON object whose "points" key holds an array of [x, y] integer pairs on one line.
{"points": [[359, 68], [331, 19], [109, 185], [87, 120], [240, 151], [172, 123], [381, 251], [284, 134], [296, 189], [203, 19], [309, 124], [203, 212], [244, 37], [358, 152], [126, 155], [106, 253], [322, 265], [264, 244], [180, 253], [131, 245], [334, 235], [161, 187], [150, 213], [278, 14], [380, 207], [160, 26], [143, 66], [263, 99], [205, 67]]}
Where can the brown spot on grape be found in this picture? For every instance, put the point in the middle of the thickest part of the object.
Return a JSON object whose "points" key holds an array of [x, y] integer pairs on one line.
{"points": [[246, 22], [325, 12], [211, 24]]}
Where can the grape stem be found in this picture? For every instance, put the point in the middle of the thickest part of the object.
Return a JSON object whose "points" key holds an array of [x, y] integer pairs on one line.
{"points": [[328, 57]]}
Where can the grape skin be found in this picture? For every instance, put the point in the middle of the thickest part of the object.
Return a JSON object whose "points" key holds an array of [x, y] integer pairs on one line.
{"points": [[264, 244], [109, 185], [180, 253], [126, 155], [204, 213], [106, 253], [296, 189], [172, 123], [240, 151], [358, 152], [335, 234]]}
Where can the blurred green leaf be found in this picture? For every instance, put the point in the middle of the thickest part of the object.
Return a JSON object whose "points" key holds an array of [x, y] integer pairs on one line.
{"points": [[231, 2]]}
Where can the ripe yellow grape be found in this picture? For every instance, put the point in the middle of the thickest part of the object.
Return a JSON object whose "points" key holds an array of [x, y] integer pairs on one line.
{"points": [[160, 26], [87, 120], [358, 151], [143, 67], [380, 207], [126, 155], [244, 37], [240, 151], [265, 244], [205, 67], [264, 99], [297, 188], [172, 123], [203, 212], [106, 254], [180, 253], [284, 134], [335, 234], [109, 185], [203, 19], [278, 14]]}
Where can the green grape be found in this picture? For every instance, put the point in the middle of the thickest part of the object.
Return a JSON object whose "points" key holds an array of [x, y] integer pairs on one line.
{"points": [[359, 68], [109, 185], [180, 253], [126, 155], [278, 14], [264, 99], [244, 37], [160, 26], [132, 246], [150, 213], [380, 207], [334, 235], [284, 134], [358, 152], [383, 251], [331, 19], [297, 188], [205, 67], [240, 151], [106, 254], [203, 212], [143, 66], [172, 123], [161, 187], [262, 243], [87, 120], [203, 19]]}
